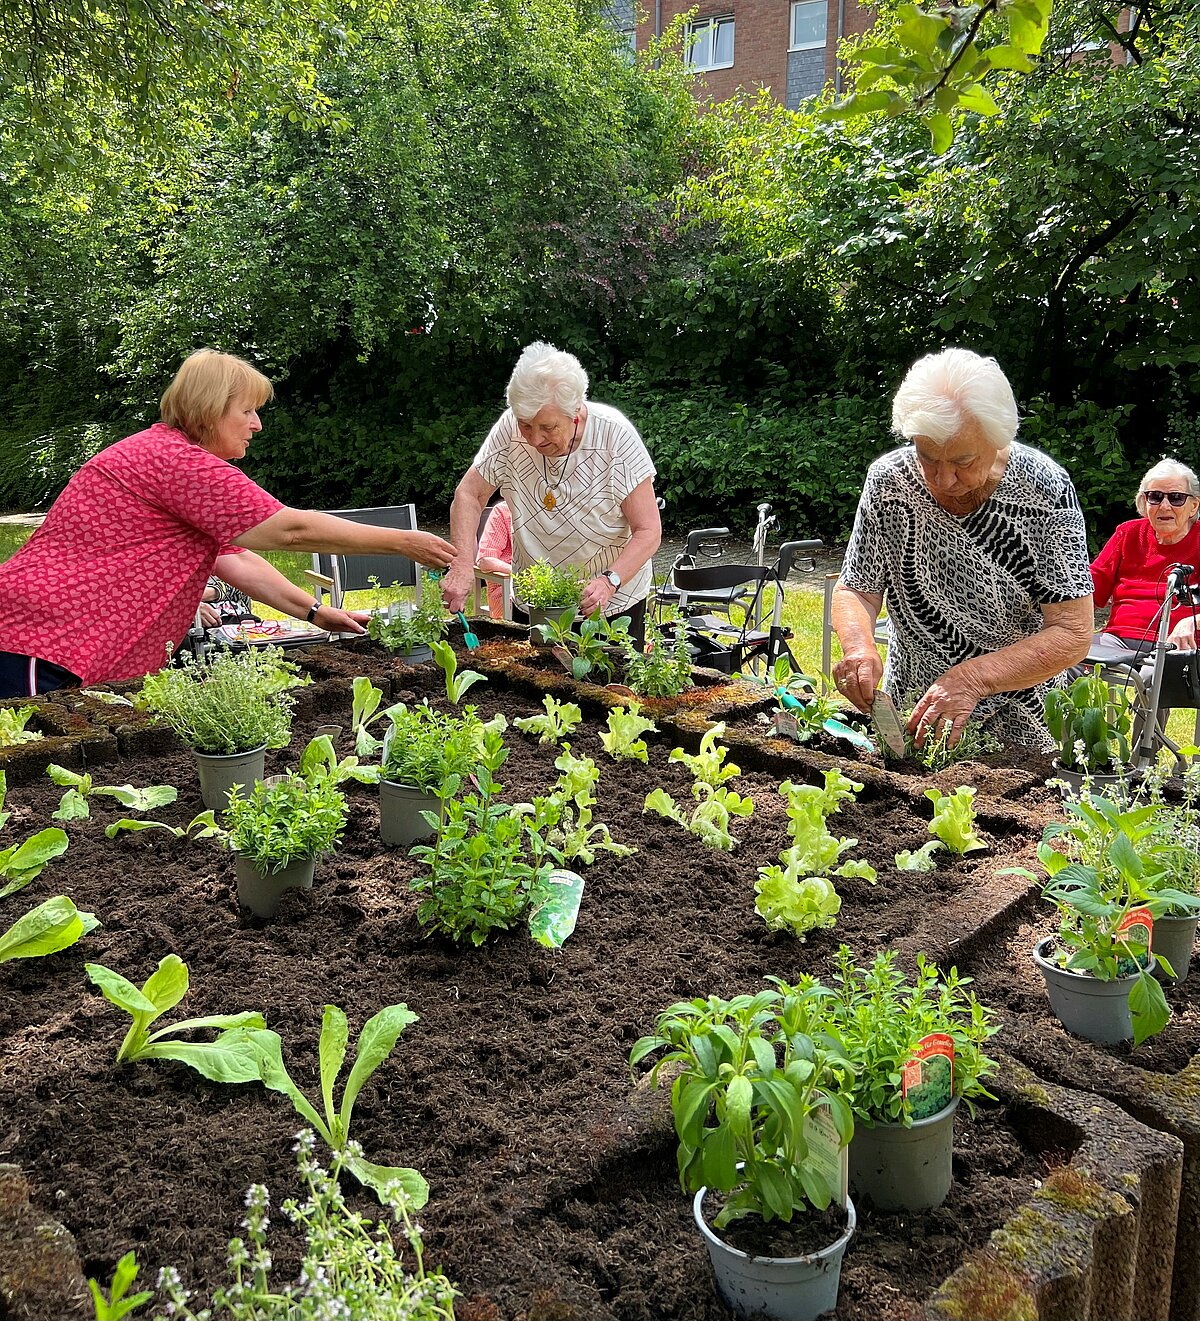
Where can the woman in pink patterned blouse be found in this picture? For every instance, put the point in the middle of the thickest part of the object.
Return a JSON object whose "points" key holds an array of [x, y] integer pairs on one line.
{"points": [[110, 582]]}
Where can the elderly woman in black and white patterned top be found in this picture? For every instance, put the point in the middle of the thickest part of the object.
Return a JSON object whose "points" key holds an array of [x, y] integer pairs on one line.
{"points": [[579, 485], [976, 545]]}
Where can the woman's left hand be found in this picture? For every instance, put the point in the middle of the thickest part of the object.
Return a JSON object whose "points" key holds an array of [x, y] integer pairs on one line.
{"points": [[597, 593], [950, 700], [1183, 635]]}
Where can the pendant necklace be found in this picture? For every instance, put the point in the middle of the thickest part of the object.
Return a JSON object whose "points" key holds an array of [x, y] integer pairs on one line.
{"points": [[550, 500]]}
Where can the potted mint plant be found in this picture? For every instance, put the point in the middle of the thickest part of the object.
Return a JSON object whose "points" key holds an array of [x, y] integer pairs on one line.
{"points": [[917, 1051], [409, 633], [1091, 722], [229, 709], [761, 1117], [278, 831]]}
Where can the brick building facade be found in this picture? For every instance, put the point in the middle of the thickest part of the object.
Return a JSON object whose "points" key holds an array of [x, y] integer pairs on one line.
{"points": [[787, 46]]}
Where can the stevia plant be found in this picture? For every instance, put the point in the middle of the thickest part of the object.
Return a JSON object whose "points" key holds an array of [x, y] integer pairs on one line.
{"points": [[295, 817], [660, 669], [588, 651]]}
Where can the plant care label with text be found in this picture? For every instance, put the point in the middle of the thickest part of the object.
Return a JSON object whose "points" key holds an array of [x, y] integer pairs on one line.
{"points": [[827, 1153], [1136, 927], [927, 1079], [554, 907]]}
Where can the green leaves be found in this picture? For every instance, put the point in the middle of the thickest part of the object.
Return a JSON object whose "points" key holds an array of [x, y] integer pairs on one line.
{"points": [[116, 1305], [622, 740], [954, 819], [558, 722], [21, 863], [14, 723], [73, 805], [545, 586], [51, 926], [295, 817]]}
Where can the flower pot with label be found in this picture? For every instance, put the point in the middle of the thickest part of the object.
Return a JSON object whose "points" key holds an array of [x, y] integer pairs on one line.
{"points": [[900, 1167], [1174, 938], [1090, 1008]]}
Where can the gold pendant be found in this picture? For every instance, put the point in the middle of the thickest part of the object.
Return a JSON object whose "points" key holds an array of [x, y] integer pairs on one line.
{"points": [[549, 502]]}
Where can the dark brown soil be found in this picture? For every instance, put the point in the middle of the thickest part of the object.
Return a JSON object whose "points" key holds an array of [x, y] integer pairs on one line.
{"points": [[553, 1185]]}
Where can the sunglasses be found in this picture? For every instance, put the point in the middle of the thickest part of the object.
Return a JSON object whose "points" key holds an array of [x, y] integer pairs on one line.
{"points": [[1176, 499]]}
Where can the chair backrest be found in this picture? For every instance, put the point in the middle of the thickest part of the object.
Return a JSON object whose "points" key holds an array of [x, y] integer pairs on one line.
{"points": [[355, 571]]}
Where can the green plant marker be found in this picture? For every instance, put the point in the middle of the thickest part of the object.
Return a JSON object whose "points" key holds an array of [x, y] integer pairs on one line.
{"points": [[554, 907]]}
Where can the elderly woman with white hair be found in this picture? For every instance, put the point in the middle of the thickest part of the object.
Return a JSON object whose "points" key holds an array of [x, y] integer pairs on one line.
{"points": [[976, 544], [1131, 570], [579, 485]]}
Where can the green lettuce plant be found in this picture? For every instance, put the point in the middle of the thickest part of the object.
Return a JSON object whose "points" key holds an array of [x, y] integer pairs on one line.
{"points": [[747, 1074], [880, 1017], [55, 924], [230, 702], [458, 682], [73, 806], [13, 726], [622, 739], [557, 723], [24, 862], [577, 836], [919, 859], [376, 1042], [954, 819], [716, 803], [230, 1058]]}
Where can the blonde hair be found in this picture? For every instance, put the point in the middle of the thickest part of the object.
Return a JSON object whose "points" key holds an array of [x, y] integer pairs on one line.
{"points": [[204, 387]]}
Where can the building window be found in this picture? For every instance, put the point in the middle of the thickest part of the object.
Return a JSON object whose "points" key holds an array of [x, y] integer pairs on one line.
{"points": [[710, 43], [629, 43], [809, 18]]}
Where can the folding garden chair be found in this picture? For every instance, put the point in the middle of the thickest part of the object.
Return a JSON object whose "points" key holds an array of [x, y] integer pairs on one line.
{"points": [[339, 574]]}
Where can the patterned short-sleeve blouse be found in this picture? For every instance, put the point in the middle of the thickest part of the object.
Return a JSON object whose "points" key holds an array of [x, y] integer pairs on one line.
{"points": [[960, 587]]}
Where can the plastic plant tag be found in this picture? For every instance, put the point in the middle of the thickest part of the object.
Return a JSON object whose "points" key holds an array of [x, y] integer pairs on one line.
{"points": [[927, 1079], [886, 720], [555, 907], [1136, 927], [826, 1151]]}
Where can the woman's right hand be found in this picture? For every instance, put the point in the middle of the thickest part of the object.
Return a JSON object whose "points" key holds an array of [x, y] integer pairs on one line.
{"points": [[456, 587], [856, 677], [428, 549]]}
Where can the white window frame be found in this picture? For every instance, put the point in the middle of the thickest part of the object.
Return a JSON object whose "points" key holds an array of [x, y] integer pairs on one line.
{"points": [[806, 45], [702, 42]]}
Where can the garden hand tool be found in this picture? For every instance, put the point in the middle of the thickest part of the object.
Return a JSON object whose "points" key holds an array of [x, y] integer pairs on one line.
{"points": [[832, 725], [886, 720], [470, 641]]}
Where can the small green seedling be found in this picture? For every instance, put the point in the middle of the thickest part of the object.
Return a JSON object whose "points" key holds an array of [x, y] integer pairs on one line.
{"points": [[919, 859], [560, 719], [954, 819], [74, 806], [457, 682], [623, 739], [116, 1305], [13, 722], [53, 925], [22, 863]]}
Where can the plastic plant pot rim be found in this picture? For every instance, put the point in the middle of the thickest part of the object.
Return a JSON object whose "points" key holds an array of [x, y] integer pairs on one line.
{"points": [[927, 1122], [711, 1235], [229, 756], [1125, 980]]}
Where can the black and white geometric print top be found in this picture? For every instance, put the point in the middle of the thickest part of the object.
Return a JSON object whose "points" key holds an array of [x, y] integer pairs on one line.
{"points": [[960, 587]]}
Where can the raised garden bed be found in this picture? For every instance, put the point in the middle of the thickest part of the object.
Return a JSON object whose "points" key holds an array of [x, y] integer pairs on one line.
{"points": [[553, 1187]]}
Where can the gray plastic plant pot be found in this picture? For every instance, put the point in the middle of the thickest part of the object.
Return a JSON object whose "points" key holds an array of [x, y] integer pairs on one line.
{"points": [[780, 1288], [218, 775], [415, 655], [1173, 939], [400, 808], [1101, 785], [261, 892], [904, 1169], [539, 615], [1096, 1010]]}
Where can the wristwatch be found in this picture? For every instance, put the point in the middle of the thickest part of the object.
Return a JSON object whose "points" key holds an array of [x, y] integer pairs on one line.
{"points": [[613, 577], [312, 610]]}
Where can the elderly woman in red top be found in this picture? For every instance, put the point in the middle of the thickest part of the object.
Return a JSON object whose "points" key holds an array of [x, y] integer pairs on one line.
{"points": [[1132, 568], [110, 582]]}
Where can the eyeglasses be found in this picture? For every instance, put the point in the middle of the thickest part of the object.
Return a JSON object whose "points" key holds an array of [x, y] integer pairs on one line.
{"points": [[1176, 499]]}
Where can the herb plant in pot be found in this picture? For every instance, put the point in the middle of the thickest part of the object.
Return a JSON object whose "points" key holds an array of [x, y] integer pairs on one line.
{"points": [[917, 1050], [1176, 848], [762, 1123], [228, 708], [548, 591], [277, 833], [1091, 722], [409, 634], [1098, 968]]}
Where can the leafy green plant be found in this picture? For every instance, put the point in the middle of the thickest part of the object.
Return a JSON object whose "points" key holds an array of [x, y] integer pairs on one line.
{"points": [[13, 726], [295, 817], [622, 739], [799, 697], [202, 826], [716, 803], [73, 806], [577, 836], [589, 650], [230, 702], [376, 1042], [1091, 722], [478, 880], [364, 711], [880, 1018], [747, 1074], [935, 754], [398, 629], [659, 669], [954, 819], [231, 1058], [545, 586], [919, 859], [117, 1305], [24, 862], [559, 720], [424, 748], [55, 924], [458, 682], [349, 1268], [799, 895]]}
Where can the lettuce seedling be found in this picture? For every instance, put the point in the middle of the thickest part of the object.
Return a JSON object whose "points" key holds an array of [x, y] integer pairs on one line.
{"points": [[116, 1305], [203, 826], [73, 806], [790, 901], [230, 1058], [12, 725], [457, 684], [708, 764], [560, 719], [919, 859], [51, 926], [954, 819], [709, 819], [577, 835], [375, 1043], [21, 863], [623, 739], [363, 712]]}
